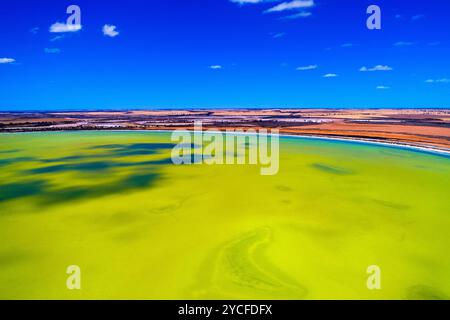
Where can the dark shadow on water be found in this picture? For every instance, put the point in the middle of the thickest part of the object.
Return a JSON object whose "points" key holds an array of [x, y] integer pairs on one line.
{"points": [[10, 151], [81, 167], [109, 152], [119, 219], [12, 258], [134, 149], [48, 195], [114, 150], [101, 161], [131, 183], [392, 205], [137, 146], [13, 191], [423, 292], [65, 159], [93, 167], [165, 161], [331, 169], [283, 188], [5, 162]]}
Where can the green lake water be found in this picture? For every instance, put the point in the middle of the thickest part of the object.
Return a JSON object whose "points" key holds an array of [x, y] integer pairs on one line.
{"points": [[140, 227]]}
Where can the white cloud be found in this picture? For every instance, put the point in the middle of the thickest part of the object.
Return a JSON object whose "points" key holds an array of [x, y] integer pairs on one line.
{"points": [[444, 80], [34, 30], [413, 18], [403, 44], [277, 35], [330, 75], [310, 67], [383, 87], [55, 38], [59, 27], [216, 67], [418, 17], [292, 5], [52, 50], [6, 60], [376, 68], [246, 1], [110, 30], [347, 45], [302, 14]]}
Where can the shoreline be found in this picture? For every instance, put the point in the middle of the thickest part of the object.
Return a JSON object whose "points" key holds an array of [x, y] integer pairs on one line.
{"points": [[400, 145], [424, 129]]}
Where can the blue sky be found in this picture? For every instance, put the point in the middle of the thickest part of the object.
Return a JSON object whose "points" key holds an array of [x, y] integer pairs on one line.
{"points": [[224, 53]]}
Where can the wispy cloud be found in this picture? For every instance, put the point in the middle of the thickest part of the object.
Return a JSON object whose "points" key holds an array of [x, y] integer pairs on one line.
{"points": [[52, 50], [34, 30], [56, 38], [304, 68], [418, 17], [247, 1], [435, 43], [302, 14], [403, 44], [412, 18], [376, 68], [277, 34], [110, 30], [347, 45], [383, 87], [216, 67], [443, 80], [59, 27], [6, 60], [292, 5], [330, 75]]}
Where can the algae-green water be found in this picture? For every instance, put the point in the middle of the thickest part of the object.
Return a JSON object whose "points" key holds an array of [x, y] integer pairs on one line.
{"points": [[140, 227]]}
